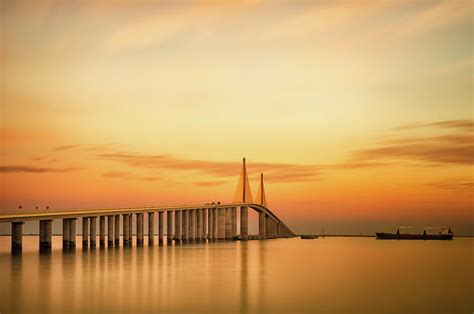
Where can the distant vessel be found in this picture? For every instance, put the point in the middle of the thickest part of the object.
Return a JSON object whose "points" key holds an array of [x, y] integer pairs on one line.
{"points": [[308, 236], [444, 234]]}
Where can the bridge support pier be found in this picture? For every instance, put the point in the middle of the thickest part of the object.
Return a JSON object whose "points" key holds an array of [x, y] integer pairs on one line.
{"points": [[117, 230], [151, 228], [160, 228], [41, 233], [102, 230], [261, 225], [198, 224], [130, 229], [267, 226], [126, 229], [72, 232], [244, 222], [48, 235], [209, 224], [192, 225], [204, 224], [17, 236], [169, 226], [110, 230], [228, 223], [65, 232], [177, 226], [93, 231], [85, 232], [274, 229], [221, 224], [233, 213], [185, 226], [139, 229], [215, 226]]}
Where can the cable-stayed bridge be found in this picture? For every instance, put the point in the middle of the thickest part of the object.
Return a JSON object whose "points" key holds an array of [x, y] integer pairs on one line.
{"points": [[175, 223]]}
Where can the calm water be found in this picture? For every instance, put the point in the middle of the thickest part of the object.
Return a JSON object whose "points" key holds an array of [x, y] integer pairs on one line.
{"points": [[336, 275]]}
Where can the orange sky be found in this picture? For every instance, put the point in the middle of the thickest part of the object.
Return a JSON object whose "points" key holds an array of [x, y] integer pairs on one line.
{"points": [[359, 113]]}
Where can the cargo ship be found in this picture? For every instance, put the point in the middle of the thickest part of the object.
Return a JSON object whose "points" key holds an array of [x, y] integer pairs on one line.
{"points": [[444, 234]]}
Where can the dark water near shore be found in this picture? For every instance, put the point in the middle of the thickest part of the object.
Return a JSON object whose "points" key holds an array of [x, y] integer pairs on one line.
{"points": [[335, 275]]}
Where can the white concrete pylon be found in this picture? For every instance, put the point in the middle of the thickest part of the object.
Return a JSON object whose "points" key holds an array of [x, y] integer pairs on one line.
{"points": [[242, 192], [261, 198]]}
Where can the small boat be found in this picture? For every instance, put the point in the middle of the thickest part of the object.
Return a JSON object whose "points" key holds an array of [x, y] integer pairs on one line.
{"points": [[444, 234], [308, 236]]}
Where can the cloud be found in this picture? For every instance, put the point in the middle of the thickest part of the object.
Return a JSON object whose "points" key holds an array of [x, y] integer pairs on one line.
{"points": [[116, 174], [33, 169], [454, 146], [64, 147], [209, 183], [447, 124], [460, 185], [276, 172]]}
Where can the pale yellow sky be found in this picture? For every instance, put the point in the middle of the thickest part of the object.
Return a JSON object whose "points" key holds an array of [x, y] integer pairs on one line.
{"points": [[342, 103]]}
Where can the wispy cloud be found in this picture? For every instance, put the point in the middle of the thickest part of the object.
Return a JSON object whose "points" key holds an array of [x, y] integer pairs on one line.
{"points": [[276, 172], [460, 184], [64, 147], [33, 169], [209, 183], [454, 146]]}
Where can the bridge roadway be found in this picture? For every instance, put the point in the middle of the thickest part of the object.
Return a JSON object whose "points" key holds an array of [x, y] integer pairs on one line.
{"points": [[183, 223]]}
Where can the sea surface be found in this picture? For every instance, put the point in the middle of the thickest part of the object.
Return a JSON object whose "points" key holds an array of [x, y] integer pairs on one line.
{"points": [[330, 275]]}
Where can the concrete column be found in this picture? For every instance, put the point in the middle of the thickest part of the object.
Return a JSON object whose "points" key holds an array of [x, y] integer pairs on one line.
{"points": [[139, 229], [85, 231], [215, 223], [261, 225], [110, 230], [169, 226], [126, 229], [93, 231], [204, 223], [72, 232], [198, 217], [151, 228], [117, 230], [48, 234], [192, 225], [209, 223], [185, 226], [177, 225], [130, 229], [274, 229], [267, 226], [17, 236], [102, 230], [221, 223], [160, 228], [65, 232], [41, 233], [234, 221], [244, 223], [228, 223]]}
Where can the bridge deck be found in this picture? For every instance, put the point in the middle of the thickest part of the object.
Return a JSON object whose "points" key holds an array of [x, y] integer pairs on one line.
{"points": [[76, 213]]}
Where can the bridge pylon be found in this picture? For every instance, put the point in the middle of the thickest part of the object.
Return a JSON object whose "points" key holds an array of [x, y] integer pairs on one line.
{"points": [[242, 192], [261, 198], [243, 195]]}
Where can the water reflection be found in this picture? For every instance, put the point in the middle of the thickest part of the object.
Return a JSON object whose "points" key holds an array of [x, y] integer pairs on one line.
{"points": [[256, 276]]}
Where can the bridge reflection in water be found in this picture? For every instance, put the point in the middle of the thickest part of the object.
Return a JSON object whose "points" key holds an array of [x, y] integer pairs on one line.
{"points": [[176, 224]]}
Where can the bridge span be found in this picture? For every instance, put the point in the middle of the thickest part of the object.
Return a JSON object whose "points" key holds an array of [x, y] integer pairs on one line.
{"points": [[176, 223]]}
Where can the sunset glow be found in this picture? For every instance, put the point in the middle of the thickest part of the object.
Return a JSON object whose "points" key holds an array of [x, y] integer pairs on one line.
{"points": [[358, 113]]}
